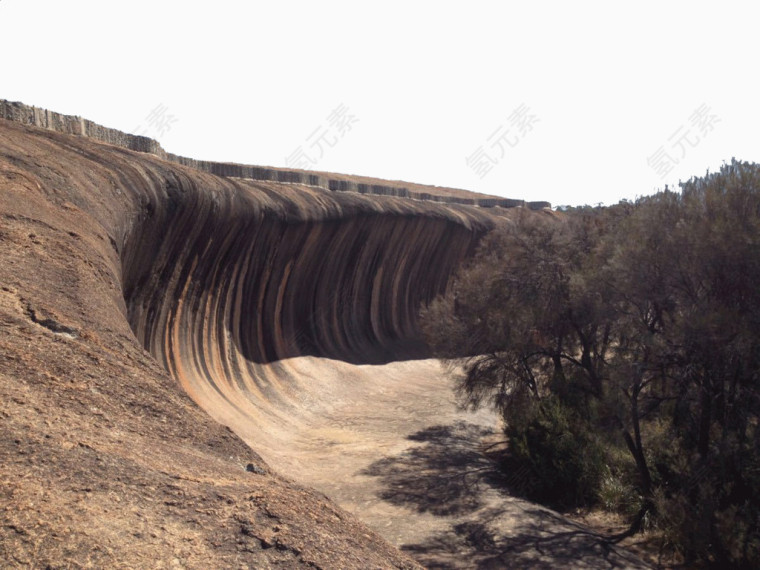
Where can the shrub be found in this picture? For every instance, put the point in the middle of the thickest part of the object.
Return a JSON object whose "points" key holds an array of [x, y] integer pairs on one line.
{"points": [[566, 461], [617, 493]]}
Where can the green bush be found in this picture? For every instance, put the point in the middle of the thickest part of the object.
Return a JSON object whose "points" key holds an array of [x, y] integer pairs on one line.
{"points": [[566, 461]]}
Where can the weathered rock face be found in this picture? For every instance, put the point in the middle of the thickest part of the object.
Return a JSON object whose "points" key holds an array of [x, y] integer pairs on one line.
{"points": [[224, 278], [215, 277], [284, 272], [339, 277]]}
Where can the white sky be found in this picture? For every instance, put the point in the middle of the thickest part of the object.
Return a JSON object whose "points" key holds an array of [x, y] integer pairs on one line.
{"points": [[423, 86]]}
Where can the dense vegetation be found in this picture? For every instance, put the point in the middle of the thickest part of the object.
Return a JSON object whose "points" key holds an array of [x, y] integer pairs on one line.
{"points": [[622, 346]]}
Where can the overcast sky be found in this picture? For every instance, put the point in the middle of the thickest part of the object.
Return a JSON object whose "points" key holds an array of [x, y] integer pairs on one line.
{"points": [[570, 102]]}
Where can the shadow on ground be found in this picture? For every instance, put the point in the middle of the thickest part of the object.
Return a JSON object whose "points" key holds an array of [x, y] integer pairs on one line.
{"points": [[450, 476], [547, 542], [444, 477]]}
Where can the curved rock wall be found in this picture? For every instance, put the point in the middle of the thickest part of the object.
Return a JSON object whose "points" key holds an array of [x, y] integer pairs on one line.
{"points": [[220, 275], [206, 276], [105, 461], [218, 284]]}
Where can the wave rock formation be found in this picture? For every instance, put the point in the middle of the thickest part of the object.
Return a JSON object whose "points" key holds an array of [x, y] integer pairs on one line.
{"points": [[285, 305]]}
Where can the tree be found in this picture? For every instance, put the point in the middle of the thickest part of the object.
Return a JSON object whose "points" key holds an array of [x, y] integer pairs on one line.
{"points": [[526, 313], [633, 328]]}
